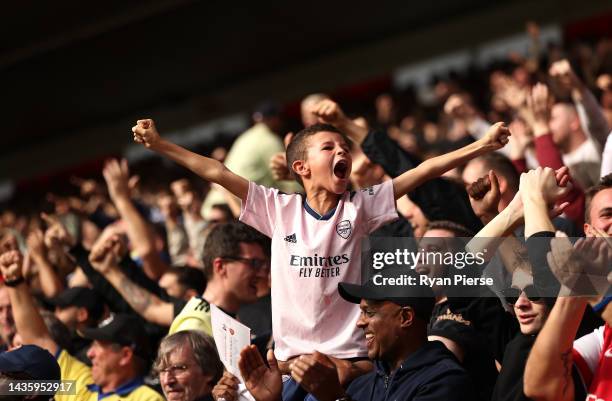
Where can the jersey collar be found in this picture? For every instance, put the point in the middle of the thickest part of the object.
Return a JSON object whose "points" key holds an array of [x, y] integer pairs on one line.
{"points": [[123, 390], [316, 215]]}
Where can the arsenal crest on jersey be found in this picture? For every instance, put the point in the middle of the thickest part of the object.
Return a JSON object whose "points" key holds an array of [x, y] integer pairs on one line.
{"points": [[344, 229]]}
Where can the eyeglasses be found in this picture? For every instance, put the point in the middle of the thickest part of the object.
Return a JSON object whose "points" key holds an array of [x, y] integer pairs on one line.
{"points": [[512, 294], [252, 262], [174, 370]]}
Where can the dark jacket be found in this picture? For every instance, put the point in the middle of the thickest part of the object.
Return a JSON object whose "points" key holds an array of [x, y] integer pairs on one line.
{"points": [[431, 373]]}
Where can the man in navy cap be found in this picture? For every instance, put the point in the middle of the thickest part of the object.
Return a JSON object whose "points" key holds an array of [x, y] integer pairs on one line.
{"points": [[28, 362], [406, 365]]}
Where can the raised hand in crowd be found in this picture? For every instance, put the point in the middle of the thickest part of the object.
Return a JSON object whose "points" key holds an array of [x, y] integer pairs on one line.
{"points": [[458, 107], [58, 241], [539, 191], [485, 196], [226, 388], [562, 179], [511, 94], [329, 112], [56, 235], [263, 381], [278, 162], [562, 73], [543, 184], [36, 245], [146, 133], [495, 138], [107, 251], [564, 77], [521, 139], [11, 263], [583, 269], [50, 283], [209, 169], [509, 219], [537, 112], [117, 176]]}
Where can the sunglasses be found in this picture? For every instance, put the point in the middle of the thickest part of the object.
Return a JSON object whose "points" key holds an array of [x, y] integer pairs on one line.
{"points": [[252, 262], [511, 295]]}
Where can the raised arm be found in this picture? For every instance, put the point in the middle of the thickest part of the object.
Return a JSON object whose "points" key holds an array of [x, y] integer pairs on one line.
{"points": [[540, 189], [117, 176], [105, 257], [28, 321], [50, 283], [494, 139], [207, 168], [330, 112], [499, 227], [548, 372], [590, 113]]}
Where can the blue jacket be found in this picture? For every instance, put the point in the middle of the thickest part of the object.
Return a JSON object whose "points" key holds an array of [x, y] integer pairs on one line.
{"points": [[430, 374]]}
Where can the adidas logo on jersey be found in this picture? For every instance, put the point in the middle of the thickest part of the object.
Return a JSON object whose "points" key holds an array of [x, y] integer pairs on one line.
{"points": [[291, 238]]}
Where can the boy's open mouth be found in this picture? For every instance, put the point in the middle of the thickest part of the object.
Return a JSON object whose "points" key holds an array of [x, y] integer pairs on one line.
{"points": [[341, 169]]}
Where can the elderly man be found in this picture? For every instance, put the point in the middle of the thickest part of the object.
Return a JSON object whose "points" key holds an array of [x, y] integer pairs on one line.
{"points": [[188, 366], [118, 352], [407, 365]]}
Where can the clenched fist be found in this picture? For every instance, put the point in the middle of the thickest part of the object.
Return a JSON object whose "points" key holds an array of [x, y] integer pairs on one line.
{"points": [[329, 112], [146, 133], [11, 263], [544, 183], [484, 196], [496, 137], [107, 251]]}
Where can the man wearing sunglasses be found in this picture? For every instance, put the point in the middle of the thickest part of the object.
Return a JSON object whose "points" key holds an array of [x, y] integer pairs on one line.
{"points": [[530, 308]]}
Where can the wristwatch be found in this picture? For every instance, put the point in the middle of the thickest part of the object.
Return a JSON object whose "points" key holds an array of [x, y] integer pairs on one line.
{"points": [[14, 282]]}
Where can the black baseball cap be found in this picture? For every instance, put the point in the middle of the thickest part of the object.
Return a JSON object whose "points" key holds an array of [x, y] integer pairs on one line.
{"points": [[420, 297], [122, 329], [81, 297], [32, 360]]}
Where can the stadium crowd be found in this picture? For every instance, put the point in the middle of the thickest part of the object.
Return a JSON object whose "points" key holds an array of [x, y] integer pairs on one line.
{"points": [[112, 287]]}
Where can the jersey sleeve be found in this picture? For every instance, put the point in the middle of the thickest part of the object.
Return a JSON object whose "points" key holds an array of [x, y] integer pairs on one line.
{"points": [[587, 351], [259, 210], [194, 316], [73, 369], [376, 205]]}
